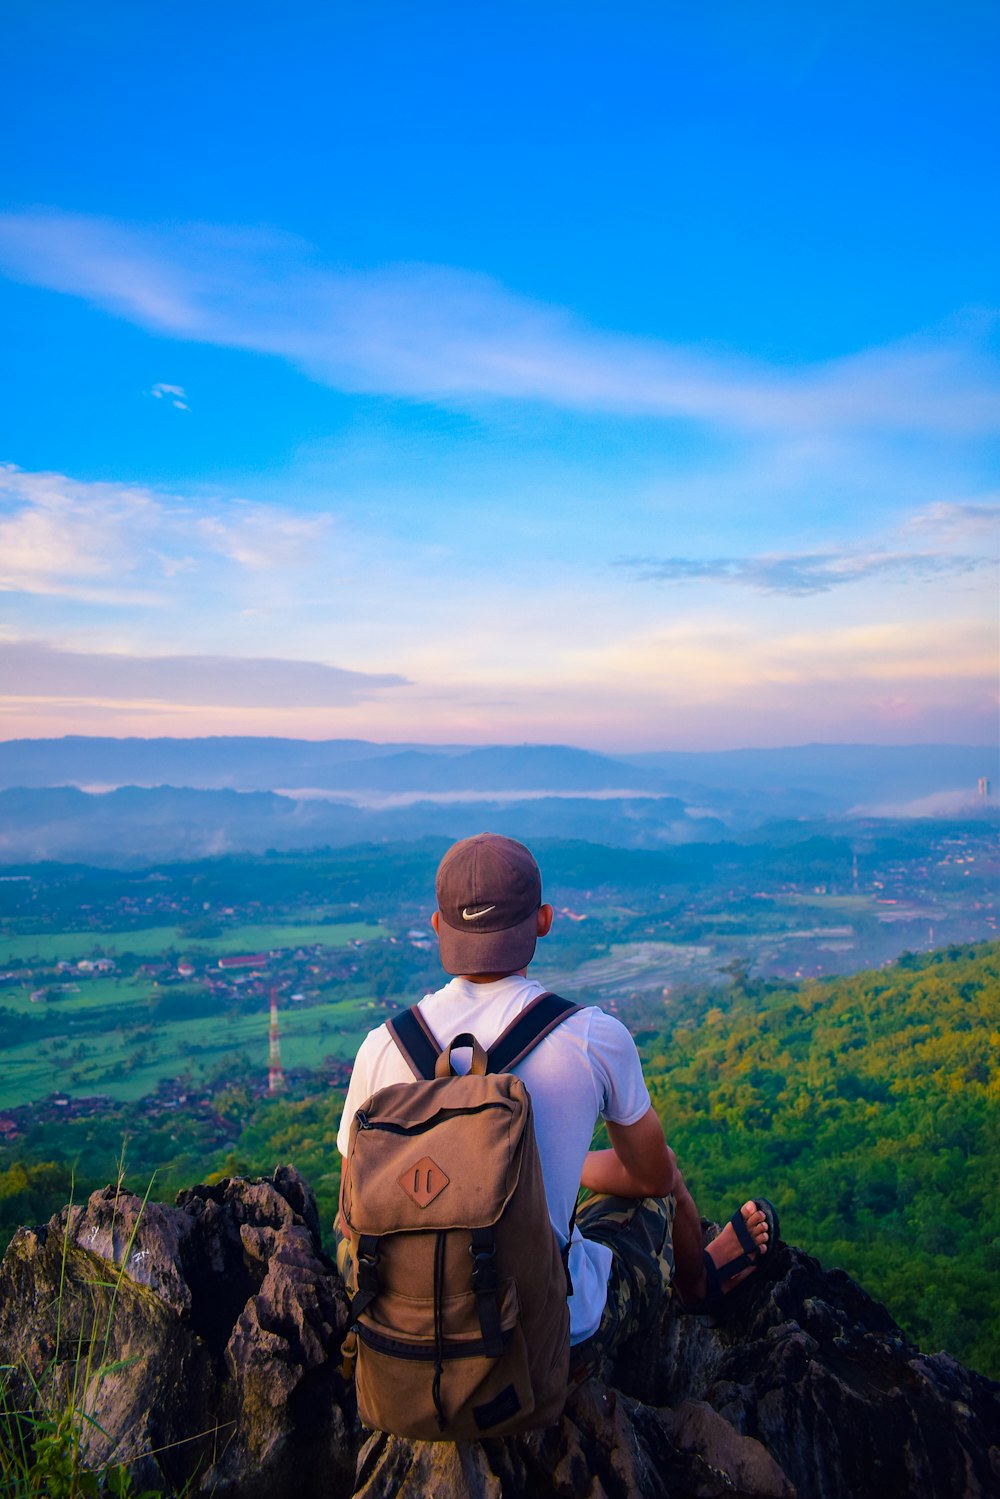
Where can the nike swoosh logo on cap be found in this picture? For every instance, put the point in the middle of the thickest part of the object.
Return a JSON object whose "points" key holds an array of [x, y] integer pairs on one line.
{"points": [[468, 915]]}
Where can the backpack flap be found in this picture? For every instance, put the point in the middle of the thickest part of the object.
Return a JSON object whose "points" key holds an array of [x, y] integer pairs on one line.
{"points": [[410, 1148]]}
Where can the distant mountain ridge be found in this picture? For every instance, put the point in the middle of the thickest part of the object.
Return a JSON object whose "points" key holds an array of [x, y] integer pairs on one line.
{"points": [[134, 824], [832, 775], [861, 771], [102, 799]]}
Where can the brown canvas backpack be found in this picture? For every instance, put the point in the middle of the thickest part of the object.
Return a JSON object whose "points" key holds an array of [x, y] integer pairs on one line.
{"points": [[459, 1317]]}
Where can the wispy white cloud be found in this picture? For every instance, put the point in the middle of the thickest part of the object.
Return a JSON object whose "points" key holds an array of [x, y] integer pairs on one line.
{"points": [[960, 520], [711, 680], [121, 543], [175, 394], [715, 659], [959, 537], [82, 540], [31, 669], [261, 537], [448, 336], [800, 573]]}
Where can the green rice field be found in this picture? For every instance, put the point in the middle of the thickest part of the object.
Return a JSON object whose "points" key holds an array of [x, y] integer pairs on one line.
{"points": [[121, 1034], [123, 1064], [105, 992], [159, 941]]}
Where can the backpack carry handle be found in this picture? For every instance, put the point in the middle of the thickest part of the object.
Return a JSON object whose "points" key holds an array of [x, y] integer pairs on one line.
{"points": [[443, 1067], [418, 1044]]}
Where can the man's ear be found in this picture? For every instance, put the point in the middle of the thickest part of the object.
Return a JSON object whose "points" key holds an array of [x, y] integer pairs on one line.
{"points": [[436, 921], [545, 915]]}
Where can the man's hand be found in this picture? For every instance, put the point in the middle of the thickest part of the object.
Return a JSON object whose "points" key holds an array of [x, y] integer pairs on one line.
{"points": [[639, 1164]]}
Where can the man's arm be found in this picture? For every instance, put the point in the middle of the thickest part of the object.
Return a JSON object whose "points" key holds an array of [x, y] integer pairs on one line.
{"points": [[639, 1164]]}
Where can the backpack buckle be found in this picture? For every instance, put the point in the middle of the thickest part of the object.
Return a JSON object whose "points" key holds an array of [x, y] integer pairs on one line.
{"points": [[366, 1277], [367, 1272], [484, 1270]]}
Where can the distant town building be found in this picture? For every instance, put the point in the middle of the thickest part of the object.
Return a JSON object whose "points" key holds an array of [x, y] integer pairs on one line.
{"points": [[246, 960], [983, 787]]}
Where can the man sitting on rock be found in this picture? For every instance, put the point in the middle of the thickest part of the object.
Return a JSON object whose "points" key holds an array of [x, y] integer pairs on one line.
{"points": [[640, 1232]]}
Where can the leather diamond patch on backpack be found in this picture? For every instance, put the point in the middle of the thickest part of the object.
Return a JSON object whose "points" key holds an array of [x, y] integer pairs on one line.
{"points": [[424, 1181]]}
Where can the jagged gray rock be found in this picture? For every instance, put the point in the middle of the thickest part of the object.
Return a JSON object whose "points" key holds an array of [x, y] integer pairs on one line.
{"points": [[228, 1319], [607, 1446], [821, 1375], [221, 1337]]}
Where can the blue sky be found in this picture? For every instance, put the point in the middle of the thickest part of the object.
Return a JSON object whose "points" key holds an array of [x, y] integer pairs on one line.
{"points": [[624, 375]]}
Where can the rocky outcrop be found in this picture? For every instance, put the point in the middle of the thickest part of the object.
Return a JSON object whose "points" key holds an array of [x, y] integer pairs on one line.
{"points": [[202, 1342], [202, 1339], [607, 1446], [822, 1377]]}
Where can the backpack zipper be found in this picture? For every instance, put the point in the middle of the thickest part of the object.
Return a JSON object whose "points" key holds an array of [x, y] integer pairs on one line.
{"points": [[418, 1129]]}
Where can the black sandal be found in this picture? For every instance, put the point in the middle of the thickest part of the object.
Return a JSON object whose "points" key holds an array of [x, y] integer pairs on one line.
{"points": [[718, 1276]]}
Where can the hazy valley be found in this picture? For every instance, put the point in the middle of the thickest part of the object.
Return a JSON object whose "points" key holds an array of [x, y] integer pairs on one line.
{"points": [[128, 801], [146, 931]]}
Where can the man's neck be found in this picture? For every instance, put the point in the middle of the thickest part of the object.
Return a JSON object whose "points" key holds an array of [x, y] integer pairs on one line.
{"points": [[492, 978]]}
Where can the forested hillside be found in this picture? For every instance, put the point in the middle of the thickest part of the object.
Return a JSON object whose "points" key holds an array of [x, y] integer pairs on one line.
{"points": [[867, 1109]]}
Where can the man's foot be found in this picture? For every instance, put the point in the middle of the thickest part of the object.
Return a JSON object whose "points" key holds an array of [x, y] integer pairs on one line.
{"points": [[736, 1252], [727, 1247]]}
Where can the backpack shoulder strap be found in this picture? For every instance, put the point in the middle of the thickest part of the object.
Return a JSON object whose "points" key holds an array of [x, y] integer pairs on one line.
{"points": [[416, 1041], [526, 1030]]}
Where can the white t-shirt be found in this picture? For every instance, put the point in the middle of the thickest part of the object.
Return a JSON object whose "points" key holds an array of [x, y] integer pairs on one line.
{"points": [[588, 1066]]}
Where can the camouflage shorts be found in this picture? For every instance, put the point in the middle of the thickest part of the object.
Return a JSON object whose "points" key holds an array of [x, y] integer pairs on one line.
{"points": [[638, 1233]]}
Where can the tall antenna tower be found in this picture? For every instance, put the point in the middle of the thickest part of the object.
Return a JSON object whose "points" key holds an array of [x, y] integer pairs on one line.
{"points": [[275, 1076]]}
